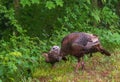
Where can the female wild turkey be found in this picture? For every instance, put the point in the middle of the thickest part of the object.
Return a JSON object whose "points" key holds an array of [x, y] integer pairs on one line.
{"points": [[53, 55], [77, 44]]}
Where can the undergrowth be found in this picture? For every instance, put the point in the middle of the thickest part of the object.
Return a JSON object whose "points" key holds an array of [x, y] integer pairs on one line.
{"points": [[99, 68]]}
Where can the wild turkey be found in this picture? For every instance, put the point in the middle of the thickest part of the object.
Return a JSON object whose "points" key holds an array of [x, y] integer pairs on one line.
{"points": [[53, 55], [78, 44]]}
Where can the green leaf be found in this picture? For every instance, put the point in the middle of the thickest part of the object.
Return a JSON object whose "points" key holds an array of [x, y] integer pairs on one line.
{"points": [[59, 2], [1, 70], [35, 1], [0, 80], [50, 5], [25, 2], [103, 1], [88, 1], [28, 2], [96, 15], [66, 19]]}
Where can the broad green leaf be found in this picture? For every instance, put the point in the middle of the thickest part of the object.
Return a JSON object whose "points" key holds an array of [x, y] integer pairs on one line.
{"points": [[96, 15], [88, 1], [59, 2], [103, 1], [25, 2], [50, 5], [0, 80], [66, 19], [35, 1]]}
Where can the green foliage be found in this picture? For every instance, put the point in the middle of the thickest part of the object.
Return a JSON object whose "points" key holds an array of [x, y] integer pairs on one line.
{"points": [[96, 15], [29, 2], [82, 16], [50, 5], [18, 57], [109, 18], [7, 20], [59, 3]]}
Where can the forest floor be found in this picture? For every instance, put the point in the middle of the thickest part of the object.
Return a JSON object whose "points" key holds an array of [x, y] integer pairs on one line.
{"points": [[98, 68]]}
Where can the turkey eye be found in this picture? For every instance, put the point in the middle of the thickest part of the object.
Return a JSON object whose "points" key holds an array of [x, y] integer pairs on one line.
{"points": [[53, 48]]}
